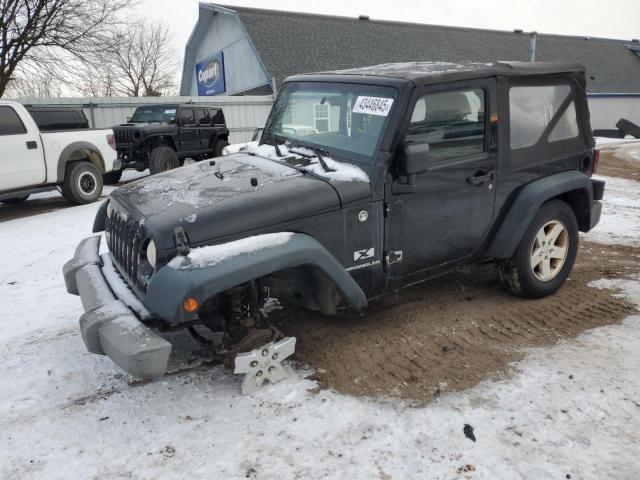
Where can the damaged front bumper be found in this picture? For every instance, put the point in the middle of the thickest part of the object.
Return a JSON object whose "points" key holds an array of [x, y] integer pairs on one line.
{"points": [[111, 324]]}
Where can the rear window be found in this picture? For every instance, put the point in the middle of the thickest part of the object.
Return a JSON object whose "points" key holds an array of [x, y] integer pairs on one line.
{"points": [[10, 123], [531, 110], [59, 119]]}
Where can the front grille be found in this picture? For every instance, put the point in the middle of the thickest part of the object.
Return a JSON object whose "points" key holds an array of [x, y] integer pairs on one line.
{"points": [[124, 138], [125, 239]]}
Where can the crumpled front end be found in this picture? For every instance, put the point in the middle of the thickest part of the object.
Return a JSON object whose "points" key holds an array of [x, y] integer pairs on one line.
{"points": [[111, 324]]}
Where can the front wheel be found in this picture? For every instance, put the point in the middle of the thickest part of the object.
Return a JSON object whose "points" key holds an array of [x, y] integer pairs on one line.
{"points": [[82, 183], [162, 159], [545, 256]]}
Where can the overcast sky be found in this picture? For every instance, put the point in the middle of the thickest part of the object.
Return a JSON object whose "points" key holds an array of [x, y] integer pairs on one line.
{"points": [[596, 18]]}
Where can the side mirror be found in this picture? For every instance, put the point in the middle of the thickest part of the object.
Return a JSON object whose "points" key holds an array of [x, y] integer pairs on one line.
{"points": [[128, 119], [413, 158], [172, 120]]}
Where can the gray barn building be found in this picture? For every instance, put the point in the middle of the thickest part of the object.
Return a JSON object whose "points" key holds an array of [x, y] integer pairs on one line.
{"points": [[248, 51]]}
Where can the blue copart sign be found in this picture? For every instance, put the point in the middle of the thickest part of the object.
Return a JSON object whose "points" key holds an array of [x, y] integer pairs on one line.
{"points": [[210, 75]]}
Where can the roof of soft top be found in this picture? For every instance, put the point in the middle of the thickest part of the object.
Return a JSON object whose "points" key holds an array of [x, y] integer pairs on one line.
{"points": [[435, 72]]}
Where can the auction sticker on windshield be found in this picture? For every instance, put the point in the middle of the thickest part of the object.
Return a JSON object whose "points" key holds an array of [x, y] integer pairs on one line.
{"points": [[373, 106]]}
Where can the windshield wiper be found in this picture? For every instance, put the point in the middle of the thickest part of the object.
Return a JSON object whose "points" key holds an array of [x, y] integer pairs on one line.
{"points": [[318, 153], [274, 142]]}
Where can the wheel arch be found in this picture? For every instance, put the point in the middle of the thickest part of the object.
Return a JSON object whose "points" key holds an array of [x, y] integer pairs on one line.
{"points": [[572, 187], [159, 141], [78, 152], [300, 257]]}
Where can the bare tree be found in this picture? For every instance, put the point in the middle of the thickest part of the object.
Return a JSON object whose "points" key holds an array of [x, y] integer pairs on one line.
{"points": [[45, 34], [143, 64], [39, 85]]}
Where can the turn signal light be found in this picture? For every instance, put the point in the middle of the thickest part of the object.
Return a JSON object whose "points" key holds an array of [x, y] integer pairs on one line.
{"points": [[596, 160], [190, 305]]}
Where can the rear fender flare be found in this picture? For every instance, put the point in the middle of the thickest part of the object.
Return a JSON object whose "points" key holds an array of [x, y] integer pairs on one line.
{"points": [[530, 199], [78, 151], [170, 285]]}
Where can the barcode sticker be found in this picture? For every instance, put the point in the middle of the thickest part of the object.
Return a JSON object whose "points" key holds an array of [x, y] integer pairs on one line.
{"points": [[373, 106]]}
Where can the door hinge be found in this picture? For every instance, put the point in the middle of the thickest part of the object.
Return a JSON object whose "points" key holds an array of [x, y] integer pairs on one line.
{"points": [[181, 240], [393, 257]]}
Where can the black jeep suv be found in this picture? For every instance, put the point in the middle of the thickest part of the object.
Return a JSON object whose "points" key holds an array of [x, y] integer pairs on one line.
{"points": [[406, 172], [160, 137]]}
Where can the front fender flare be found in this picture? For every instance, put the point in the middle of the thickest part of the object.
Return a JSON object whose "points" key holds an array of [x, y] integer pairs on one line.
{"points": [[170, 285], [527, 203]]}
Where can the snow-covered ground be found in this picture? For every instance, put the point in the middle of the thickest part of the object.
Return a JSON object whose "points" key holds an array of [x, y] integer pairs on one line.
{"points": [[572, 409]]}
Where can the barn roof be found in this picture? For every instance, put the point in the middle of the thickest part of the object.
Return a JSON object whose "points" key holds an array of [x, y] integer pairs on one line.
{"points": [[290, 43]]}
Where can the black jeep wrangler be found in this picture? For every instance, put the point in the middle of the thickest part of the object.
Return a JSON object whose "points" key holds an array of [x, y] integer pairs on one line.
{"points": [[161, 137], [406, 172]]}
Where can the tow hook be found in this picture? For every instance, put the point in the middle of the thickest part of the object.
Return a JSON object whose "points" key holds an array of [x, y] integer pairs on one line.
{"points": [[264, 363]]}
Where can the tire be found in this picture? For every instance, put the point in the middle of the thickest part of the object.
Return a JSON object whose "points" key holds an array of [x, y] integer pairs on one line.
{"points": [[112, 177], [217, 148], [15, 200], [546, 254], [82, 183], [162, 159]]}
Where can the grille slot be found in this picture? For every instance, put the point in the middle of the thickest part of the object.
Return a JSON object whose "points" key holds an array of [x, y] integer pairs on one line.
{"points": [[124, 245], [124, 138]]}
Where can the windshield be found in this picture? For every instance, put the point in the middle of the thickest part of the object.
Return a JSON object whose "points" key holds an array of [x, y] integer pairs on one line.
{"points": [[336, 117], [155, 113]]}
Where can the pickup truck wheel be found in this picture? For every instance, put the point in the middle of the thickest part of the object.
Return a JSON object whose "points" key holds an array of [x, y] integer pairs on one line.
{"points": [[162, 159], [217, 148], [15, 200], [112, 177], [546, 254], [82, 183]]}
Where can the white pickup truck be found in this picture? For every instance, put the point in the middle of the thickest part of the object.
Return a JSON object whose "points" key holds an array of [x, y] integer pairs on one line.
{"points": [[32, 161]]}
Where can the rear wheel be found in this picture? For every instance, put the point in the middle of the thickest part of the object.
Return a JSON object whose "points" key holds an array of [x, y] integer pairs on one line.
{"points": [[162, 159], [112, 177], [82, 183], [544, 259], [217, 148], [15, 200]]}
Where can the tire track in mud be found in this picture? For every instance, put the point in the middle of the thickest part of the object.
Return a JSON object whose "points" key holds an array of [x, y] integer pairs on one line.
{"points": [[450, 333]]}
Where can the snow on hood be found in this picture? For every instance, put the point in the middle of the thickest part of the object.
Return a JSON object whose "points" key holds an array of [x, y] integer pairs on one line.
{"points": [[209, 256], [343, 172]]}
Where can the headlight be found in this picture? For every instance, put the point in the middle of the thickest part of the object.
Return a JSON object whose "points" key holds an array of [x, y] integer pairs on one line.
{"points": [[109, 209], [151, 253]]}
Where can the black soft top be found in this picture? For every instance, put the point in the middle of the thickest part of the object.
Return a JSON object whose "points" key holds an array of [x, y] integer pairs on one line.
{"points": [[424, 73]]}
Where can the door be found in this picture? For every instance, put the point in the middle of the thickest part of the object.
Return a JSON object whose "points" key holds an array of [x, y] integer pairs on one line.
{"points": [[204, 122], [446, 216], [189, 136], [22, 159]]}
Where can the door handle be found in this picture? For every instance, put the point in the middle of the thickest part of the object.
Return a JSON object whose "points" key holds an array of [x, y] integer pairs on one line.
{"points": [[32, 145], [481, 177]]}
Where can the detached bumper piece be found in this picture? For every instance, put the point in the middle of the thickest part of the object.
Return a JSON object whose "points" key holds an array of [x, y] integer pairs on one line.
{"points": [[109, 325]]}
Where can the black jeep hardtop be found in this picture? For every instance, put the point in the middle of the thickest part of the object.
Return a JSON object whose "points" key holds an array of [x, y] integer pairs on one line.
{"points": [[415, 169]]}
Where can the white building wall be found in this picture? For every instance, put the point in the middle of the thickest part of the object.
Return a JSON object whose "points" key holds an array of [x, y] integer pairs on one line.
{"points": [[243, 114], [607, 109]]}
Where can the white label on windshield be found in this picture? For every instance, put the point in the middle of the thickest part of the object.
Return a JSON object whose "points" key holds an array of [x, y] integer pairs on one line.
{"points": [[170, 111], [373, 106]]}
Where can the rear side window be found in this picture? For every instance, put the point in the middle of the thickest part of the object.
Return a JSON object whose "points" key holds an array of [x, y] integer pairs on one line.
{"points": [[59, 119], [218, 116], [452, 123], [10, 123], [203, 118], [187, 117], [533, 107]]}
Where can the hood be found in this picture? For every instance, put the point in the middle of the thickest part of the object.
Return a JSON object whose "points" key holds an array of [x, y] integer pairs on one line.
{"points": [[226, 196], [144, 127]]}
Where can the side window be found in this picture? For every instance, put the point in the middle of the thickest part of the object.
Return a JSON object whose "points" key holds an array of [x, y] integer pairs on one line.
{"points": [[452, 123], [186, 117], [217, 116], [203, 118], [567, 126], [531, 109], [10, 123]]}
